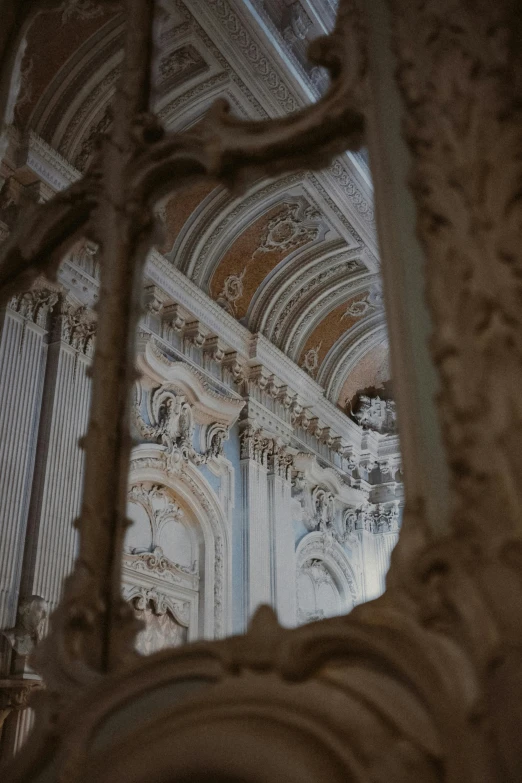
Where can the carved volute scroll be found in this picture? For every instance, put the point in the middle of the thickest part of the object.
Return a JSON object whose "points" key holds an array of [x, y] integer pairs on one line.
{"points": [[424, 683]]}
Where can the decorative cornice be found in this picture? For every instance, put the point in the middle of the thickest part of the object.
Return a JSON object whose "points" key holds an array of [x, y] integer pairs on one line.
{"points": [[41, 159]]}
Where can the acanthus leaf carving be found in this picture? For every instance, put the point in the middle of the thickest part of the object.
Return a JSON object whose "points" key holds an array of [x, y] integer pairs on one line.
{"points": [[35, 305], [76, 326]]}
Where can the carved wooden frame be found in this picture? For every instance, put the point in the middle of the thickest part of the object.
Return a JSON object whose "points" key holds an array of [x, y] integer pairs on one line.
{"points": [[424, 683]]}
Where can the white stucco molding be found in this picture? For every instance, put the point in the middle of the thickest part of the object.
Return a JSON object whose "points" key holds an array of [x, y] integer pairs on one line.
{"points": [[209, 405], [322, 546], [149, 462]]}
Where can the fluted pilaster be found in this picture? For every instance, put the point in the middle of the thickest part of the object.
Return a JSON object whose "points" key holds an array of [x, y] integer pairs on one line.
{"points": [[59, 472], [282, 539], [256, 524], [23, 353]]}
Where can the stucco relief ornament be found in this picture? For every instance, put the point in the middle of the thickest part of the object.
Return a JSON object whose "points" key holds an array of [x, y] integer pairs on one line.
{"points": [[299, 23], [85, 255], [77, 327], [291, 227], [179, 61], [372, 413], [32, 614], [35, 305], [143, 596], [216, 436], [323, 506], [372, 301], [310, 361], [231, 292], [171, 421], [254, 444]]}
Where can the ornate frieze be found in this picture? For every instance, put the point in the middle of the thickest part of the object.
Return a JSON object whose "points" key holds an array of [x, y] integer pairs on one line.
{"points": [[90, 138], [170, 418], [174, 316], [164, 618], [280, 461], [317, 503], [85, 255], [195, 334], [318, 575], [156, 459], [154, 299], [215, 349], [325, 548], [215, 436]]}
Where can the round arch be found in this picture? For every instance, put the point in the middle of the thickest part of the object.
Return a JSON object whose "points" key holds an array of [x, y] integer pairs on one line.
{"points": [[319, 546], [151, 463]]}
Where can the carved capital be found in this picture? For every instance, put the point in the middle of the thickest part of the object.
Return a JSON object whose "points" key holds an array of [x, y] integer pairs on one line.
{"points": [[35, 305], [75, 326]]}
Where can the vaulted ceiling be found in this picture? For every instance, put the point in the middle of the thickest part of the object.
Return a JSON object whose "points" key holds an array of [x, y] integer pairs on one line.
{"points": [[296, 258]]}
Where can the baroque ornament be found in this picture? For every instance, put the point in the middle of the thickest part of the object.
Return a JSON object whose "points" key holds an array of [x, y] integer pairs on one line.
{"points": [[231, 292], [171, 422], [35, 305], [424, 683], [293, 226], [32, 614], [179, 61], [372, 301], [310, 361], [76, 327], [372, 413]]}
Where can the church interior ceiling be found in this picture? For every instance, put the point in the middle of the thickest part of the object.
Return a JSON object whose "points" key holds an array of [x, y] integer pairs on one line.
{"points": [[296, 259]]}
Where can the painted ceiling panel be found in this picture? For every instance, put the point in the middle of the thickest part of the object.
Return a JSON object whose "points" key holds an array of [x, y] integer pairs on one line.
{"points": [[291, 257]]}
